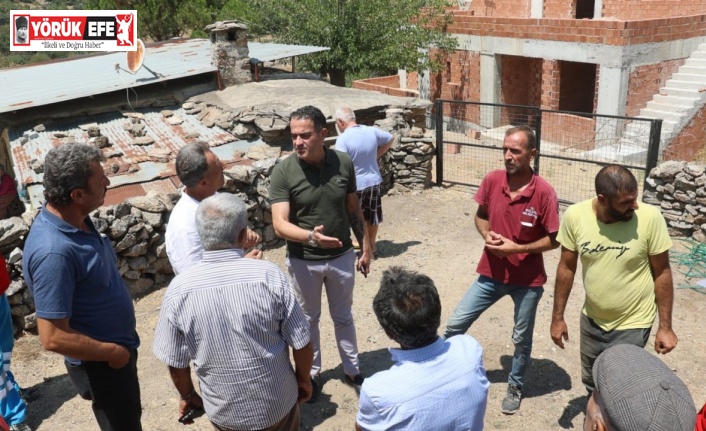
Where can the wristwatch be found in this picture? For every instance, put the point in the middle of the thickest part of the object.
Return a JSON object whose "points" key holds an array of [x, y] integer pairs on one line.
{"points": [[311, 239]]}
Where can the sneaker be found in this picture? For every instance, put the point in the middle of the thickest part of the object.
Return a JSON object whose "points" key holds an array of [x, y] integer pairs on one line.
{"points": [[356, 381], [20, 427], [511, 403], [315, 389]]}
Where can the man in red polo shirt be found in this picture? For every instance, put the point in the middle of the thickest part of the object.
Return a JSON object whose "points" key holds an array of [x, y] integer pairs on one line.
{"points": [[518, 216]]}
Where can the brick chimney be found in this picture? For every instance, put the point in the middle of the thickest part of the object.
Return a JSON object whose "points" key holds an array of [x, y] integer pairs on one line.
{"points": [[229, 51]]}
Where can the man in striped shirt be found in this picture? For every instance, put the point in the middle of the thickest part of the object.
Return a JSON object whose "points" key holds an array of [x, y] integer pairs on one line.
{"points": [[236, 319]]}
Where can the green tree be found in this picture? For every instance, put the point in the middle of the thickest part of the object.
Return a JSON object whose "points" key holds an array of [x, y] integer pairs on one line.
{"points": [[164, 19], [373, 36]]}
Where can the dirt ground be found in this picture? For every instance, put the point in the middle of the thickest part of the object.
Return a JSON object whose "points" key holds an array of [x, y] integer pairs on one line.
{"points": [[431, 232]]}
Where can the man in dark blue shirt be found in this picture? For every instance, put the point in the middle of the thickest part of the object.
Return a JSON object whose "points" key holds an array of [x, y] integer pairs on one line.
{"points": [[84, 310]]}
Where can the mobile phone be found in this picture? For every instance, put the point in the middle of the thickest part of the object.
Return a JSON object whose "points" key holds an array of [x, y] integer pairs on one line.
{"points": [[191, 415]]}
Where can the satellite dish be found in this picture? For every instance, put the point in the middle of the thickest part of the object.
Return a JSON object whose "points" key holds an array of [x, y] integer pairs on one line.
{"points": [[135, 58]]}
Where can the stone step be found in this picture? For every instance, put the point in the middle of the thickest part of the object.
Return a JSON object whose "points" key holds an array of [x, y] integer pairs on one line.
{"points": [[689, 77], [693, 70]]}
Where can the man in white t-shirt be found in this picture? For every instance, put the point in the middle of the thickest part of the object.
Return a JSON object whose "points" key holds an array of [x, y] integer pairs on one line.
{"points": [[365, 145], [201, 173]]}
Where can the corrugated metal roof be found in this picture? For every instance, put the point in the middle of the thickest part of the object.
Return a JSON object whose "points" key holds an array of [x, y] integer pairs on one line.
{"points": [[72, 78], [112, 125], [42, 84], [260, 52], [138, 174]]}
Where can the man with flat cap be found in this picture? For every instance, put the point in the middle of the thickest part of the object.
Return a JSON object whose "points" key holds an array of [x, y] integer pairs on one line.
{"points": [[636, 391], [21, 26]]}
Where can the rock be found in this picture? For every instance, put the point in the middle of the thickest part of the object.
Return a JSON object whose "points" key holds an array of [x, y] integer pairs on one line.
{"points": [[264, 167], [39, 128], [138, 263], [167, 113], [134, 115], [16, 285], [136, 250], [118, 228], [160, 154], [132, 274], [20, 310], [244, 131], [153, 219], [29, 322], [28, 298], [139, 287], [242, 174], [188, 105], [695, 169], [261, 152], [142, 140], [13, 230], [147, 203], [128, 241], [36, 166], [175, 120], [100, 224], [668, 170], [15, 256]]}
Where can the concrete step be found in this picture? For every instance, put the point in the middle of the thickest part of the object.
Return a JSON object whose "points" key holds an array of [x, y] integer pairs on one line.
{"points": [[689, 77], [685, 85], [698, 54], [680, 92], [696, 62], [693, 70], [674, 110], [620, 153], [687, 102], [664, 116]]}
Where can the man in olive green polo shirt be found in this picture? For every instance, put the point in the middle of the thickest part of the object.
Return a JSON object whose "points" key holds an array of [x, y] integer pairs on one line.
{"points": [[314, 207]]}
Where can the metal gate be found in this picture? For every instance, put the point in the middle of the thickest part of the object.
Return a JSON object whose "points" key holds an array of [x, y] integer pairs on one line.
{"points": [[571, 146]]}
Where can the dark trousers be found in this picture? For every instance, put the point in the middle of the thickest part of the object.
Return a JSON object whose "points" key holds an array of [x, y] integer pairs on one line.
{"points": [[595, 340], [115, 393]]}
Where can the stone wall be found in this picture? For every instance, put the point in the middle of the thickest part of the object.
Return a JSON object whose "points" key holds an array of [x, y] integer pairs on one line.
{"points": [[678, 189], [137, 226]]}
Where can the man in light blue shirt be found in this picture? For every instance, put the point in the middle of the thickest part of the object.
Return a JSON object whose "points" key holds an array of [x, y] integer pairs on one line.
{"points": [[365, 145], [435, 384]]}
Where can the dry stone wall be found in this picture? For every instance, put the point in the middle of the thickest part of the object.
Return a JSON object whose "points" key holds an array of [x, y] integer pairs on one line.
{"points": [[677, 188]]}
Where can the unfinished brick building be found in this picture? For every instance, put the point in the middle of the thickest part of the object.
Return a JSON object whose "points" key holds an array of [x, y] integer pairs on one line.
{"points": [[611, 57]]}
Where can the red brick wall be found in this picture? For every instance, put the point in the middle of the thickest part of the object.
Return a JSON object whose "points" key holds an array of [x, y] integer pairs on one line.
{"points": [[645, 82], [462, 84], [569, 131], [559, 9], [608, 32], [550, 84], [689, 144], [386, 85], [520, 84], [500, 8], [412, 81], [652, 9]]}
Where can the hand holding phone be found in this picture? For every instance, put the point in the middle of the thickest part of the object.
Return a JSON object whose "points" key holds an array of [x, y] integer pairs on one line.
{"points": [[192, 414]]}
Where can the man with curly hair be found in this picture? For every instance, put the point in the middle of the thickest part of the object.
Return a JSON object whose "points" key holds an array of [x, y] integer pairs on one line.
{"points": [[84, 310]]}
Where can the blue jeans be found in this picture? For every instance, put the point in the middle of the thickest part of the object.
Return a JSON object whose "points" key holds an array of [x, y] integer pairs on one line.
{"points": [[480, 296]]}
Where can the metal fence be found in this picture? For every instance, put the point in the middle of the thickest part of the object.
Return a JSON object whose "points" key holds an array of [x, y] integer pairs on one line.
{"points": [[572, 146]]}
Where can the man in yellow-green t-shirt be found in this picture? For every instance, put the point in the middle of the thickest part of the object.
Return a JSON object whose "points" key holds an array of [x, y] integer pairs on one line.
{"points": [[624, 251]]}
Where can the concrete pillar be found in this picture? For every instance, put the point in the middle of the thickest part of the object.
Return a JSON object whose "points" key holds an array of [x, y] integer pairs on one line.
{"points": [[612, 98], [489, 88], [402, 73], [537, 9], [598, 9]]}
